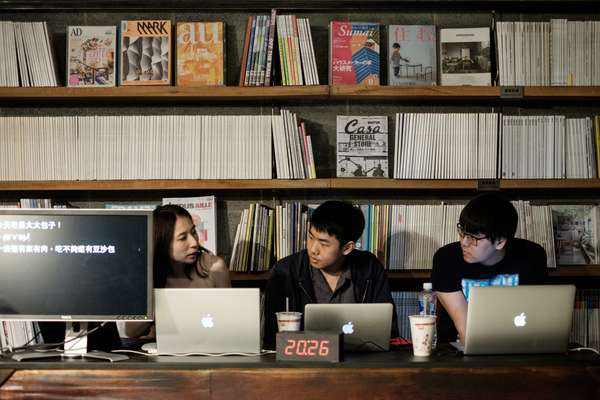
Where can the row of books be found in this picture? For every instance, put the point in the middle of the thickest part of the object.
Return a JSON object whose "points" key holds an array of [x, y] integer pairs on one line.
{"points": [[524, 53], [27, 57], [586, 319], [265, 234], [286, 37], [446, 146], [406, 303], [253, 242], [402, 236], [257, 57], [293, 148], [289, 235], [153, 147], [559, 52], [291, 228], [469, 145], [536, 224], [426, 146], [411, 55], [406, 236], [555, 53], [144, 49], [550, 146]]}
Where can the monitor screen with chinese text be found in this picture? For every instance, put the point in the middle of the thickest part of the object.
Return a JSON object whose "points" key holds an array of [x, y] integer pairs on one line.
{"points": [[75, 264]]}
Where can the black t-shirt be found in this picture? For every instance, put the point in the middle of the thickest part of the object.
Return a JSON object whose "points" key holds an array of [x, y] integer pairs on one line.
{"points": [[523, 264]]}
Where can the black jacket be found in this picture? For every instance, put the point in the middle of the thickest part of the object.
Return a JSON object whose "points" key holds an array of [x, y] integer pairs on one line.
{"points": [[291, 278]]}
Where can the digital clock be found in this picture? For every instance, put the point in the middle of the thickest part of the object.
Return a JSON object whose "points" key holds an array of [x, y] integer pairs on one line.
{"points": [[309, 346]]}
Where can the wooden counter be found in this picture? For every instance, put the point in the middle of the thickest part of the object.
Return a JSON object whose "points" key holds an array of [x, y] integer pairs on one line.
{"points": [[393, 375]]}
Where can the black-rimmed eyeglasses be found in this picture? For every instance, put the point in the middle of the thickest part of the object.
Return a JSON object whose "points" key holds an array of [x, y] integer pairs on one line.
{"points": [[469, 238]]}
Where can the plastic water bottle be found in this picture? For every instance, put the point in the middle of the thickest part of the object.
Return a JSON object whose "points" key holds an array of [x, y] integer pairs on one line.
{"points": [[427, 302]]}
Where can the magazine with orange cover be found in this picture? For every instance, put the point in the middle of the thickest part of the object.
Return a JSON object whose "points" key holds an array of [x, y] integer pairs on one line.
{"points": [[200, 53]]}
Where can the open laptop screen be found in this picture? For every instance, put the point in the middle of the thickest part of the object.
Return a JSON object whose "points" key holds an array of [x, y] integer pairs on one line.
{"points": [[366, 327], [519, 319]]}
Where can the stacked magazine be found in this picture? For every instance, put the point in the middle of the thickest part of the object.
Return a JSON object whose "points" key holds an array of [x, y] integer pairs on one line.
{"points": [[283, 38], [28, 58]]}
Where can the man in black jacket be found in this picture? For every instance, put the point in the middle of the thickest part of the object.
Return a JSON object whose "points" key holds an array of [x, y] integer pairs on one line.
{"points": [[330, 270]]}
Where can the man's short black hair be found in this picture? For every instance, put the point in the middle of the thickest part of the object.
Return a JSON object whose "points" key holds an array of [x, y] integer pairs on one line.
{"points": [[491, 215], [340, 219]]}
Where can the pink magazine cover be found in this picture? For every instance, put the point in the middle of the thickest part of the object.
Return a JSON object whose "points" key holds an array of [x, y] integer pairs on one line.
{"points": [[354, 53]]}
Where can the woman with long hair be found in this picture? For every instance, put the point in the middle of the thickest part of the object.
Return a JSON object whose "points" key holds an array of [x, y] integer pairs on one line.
{"points": [[179, 260]]}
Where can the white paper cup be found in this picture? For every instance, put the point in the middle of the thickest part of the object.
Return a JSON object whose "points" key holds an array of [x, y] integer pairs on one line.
{"points": [[288, 321], [422, 329]]}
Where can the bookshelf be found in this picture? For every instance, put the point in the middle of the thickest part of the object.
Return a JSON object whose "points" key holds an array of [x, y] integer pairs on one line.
{"points": [[299, 184], [298, 93], [318, 105]]}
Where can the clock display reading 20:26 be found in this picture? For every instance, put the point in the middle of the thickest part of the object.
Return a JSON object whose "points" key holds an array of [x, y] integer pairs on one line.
{"points": [[304, 347], [309, 346]]}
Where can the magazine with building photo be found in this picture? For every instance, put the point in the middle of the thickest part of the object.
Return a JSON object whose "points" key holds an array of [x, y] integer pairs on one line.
{"points": [[91, 55], [362, 146], [354, 53], [465, 57], [576, 233], [204, 214], [145, 52], [200, 53], [412, 55]]}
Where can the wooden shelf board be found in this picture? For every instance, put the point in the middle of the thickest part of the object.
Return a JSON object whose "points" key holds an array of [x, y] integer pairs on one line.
{"points": [[550, 184], [568, 271], [295, 184], [357, 92], [561, 92], [409, 274], [358, 183], [153, 93], [571, 271], [322, 92], [157, 184], [249, 276]]}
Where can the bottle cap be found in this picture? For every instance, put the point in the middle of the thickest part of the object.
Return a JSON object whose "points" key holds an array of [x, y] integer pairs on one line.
{"points": [[427, 286]]}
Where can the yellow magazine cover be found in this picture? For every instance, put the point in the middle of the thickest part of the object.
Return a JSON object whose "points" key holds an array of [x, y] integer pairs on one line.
{"points": [[200, 54], [145, 52]]}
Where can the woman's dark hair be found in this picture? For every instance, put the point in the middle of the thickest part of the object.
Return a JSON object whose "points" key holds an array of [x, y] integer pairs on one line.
{"points": [[340, 219], [165, 218]]}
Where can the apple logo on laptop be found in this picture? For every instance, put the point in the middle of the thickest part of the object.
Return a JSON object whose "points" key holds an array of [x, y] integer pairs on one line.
{"points": [[348, 328], [207, 321], [520, 320]]}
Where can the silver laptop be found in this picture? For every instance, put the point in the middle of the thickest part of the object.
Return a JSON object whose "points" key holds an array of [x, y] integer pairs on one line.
{"points": [[366, 327], [519, 319], [207, 320]]}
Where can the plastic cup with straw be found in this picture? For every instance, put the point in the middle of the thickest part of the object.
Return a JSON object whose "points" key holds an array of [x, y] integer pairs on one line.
{"points": [[288, 321]]}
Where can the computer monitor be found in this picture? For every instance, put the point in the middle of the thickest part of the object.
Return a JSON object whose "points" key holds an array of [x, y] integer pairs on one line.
{"points": [[76, 265]]}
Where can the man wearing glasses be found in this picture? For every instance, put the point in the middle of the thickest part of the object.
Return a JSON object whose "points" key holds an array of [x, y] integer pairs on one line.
{"points": [[487, 254]]}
